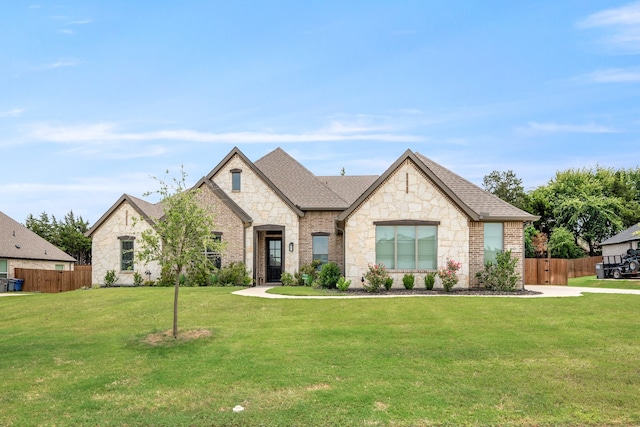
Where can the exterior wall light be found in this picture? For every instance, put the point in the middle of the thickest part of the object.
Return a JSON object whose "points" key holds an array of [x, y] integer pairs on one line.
{"points": [[290, 246]]}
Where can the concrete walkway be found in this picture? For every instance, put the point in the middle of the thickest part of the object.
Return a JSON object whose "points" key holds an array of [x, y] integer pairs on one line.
{"points": [[546, 291]]}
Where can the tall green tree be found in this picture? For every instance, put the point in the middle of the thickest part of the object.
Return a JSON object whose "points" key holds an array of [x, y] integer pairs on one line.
{"points": [[66, 234], [179, 239], [507, 186]]}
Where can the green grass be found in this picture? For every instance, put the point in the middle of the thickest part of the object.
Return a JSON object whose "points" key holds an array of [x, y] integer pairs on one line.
{"points": [[77, 358], [592, 282]]}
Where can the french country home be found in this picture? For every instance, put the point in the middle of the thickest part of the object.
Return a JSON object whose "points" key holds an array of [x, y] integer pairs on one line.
{"points": [[275, 215]]}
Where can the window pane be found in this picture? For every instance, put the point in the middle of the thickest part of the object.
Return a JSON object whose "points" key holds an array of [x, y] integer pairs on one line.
{"points": [[235, 181], [127, 255], [427, 247], [321, 248], [406, 246], [3, 269], [385, 246], [492, 240]]}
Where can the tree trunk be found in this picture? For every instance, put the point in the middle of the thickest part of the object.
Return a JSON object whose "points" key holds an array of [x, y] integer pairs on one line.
{"points": [[175, 307]]}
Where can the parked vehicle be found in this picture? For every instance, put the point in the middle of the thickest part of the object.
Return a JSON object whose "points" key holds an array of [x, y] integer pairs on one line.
{"points": [[620, 266]]}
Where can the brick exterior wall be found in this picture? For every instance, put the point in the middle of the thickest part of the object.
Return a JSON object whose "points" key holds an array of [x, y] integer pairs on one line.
{"points": [[320, 222], [513, 239], [227, 223]]}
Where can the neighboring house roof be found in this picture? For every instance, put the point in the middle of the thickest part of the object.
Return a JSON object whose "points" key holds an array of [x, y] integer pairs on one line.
{"points": [[478, 204], [624, 236], [150, 212], [298, 184], [18, 242]]}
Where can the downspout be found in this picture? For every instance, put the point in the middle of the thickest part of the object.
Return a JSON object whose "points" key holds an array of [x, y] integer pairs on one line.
{"points": [[344, 246]]}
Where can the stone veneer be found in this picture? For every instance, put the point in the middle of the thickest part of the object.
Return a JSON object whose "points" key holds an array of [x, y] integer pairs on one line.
{"points": [[105, 246], [407, 194], [264, 207]]}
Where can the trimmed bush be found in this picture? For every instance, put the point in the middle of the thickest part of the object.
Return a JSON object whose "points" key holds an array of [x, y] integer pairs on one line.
{"points": [[287, 279], [408, 280], [110, 278], [375, 277], [234, 274], [501, 275], [430, 280], [343, 284], [329, 275]]}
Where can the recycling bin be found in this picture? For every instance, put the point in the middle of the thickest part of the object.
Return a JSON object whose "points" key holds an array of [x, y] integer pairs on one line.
{"points": [[18, 285], [11, 285]]}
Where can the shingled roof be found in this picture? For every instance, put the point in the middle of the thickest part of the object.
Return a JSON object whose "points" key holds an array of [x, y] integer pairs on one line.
{"points": [[18, 242], [298, 184], [624, 236], [478, 204]]}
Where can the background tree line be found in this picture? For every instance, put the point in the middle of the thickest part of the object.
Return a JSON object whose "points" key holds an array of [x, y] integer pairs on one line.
{"points": [[67, 234], [578, 208]]}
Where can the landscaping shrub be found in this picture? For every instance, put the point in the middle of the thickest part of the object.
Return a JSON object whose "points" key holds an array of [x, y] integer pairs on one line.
{"points": [[287, 279], [110, 278], [429, 281], [375, 277], [388, 283], [408, 280], [311, 270], [203, 274], [448, 275], [329, 275], [343, 284], [234, 274], [501, 275], [137, 278]]}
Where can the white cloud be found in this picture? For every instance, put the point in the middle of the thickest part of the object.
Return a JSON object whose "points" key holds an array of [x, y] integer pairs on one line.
{"points": [[535, 128], [613, 75], [60, 63], [16, 112], [66, 31], [622, 24], [80, 22], [103, 132]]}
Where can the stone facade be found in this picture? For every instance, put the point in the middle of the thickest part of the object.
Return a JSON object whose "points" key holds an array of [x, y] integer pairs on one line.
{"points": [[106, 246], [406, 195], [264, 207]]}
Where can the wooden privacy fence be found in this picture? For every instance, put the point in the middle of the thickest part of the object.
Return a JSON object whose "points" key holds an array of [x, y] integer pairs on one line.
{"points": [[53, 281], [555, 271]]}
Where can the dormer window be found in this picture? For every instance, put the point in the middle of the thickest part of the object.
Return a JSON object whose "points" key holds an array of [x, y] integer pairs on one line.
{"points": [[235, 179]]}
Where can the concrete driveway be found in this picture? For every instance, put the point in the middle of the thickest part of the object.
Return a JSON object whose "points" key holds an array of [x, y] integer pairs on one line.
{"points": [[547, 291]]}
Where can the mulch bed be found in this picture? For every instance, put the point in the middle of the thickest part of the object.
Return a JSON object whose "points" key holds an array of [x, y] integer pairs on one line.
{"points": [[453, 292]]}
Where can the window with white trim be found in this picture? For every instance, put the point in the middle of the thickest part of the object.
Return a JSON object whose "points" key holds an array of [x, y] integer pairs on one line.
{"points": [[493, 240], [407, 247], [4, 269]]}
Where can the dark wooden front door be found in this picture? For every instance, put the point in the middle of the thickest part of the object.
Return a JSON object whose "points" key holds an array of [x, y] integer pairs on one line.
{"points": [[274, 259]]}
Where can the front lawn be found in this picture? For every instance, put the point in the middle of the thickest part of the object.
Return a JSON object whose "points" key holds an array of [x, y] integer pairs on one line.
{"points": [[592, 282], [79, 358]]}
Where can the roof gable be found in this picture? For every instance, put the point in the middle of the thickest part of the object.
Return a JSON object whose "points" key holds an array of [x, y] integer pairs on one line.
{"points": [[224, 198], [150, 212], [18, 242], [476, 203], [236, 152]]}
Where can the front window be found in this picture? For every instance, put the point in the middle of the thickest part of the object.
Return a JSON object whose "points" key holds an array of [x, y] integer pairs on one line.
{"points": [[4, 272], [407, 247], [59, 267], [321, 249], [493, 241], [126, 255]]}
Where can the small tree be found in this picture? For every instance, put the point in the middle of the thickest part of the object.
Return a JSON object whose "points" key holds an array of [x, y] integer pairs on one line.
{"points": [[180, 237]]}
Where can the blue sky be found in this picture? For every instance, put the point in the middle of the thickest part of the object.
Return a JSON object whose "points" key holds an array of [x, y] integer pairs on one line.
{"points": [[98, 96]]}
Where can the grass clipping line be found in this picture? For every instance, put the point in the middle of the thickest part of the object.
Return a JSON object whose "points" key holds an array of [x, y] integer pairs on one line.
{"points": [[165, 338]]}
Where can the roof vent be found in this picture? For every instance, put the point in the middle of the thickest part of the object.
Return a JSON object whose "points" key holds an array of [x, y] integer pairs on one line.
{"points": [[17, 246]]}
